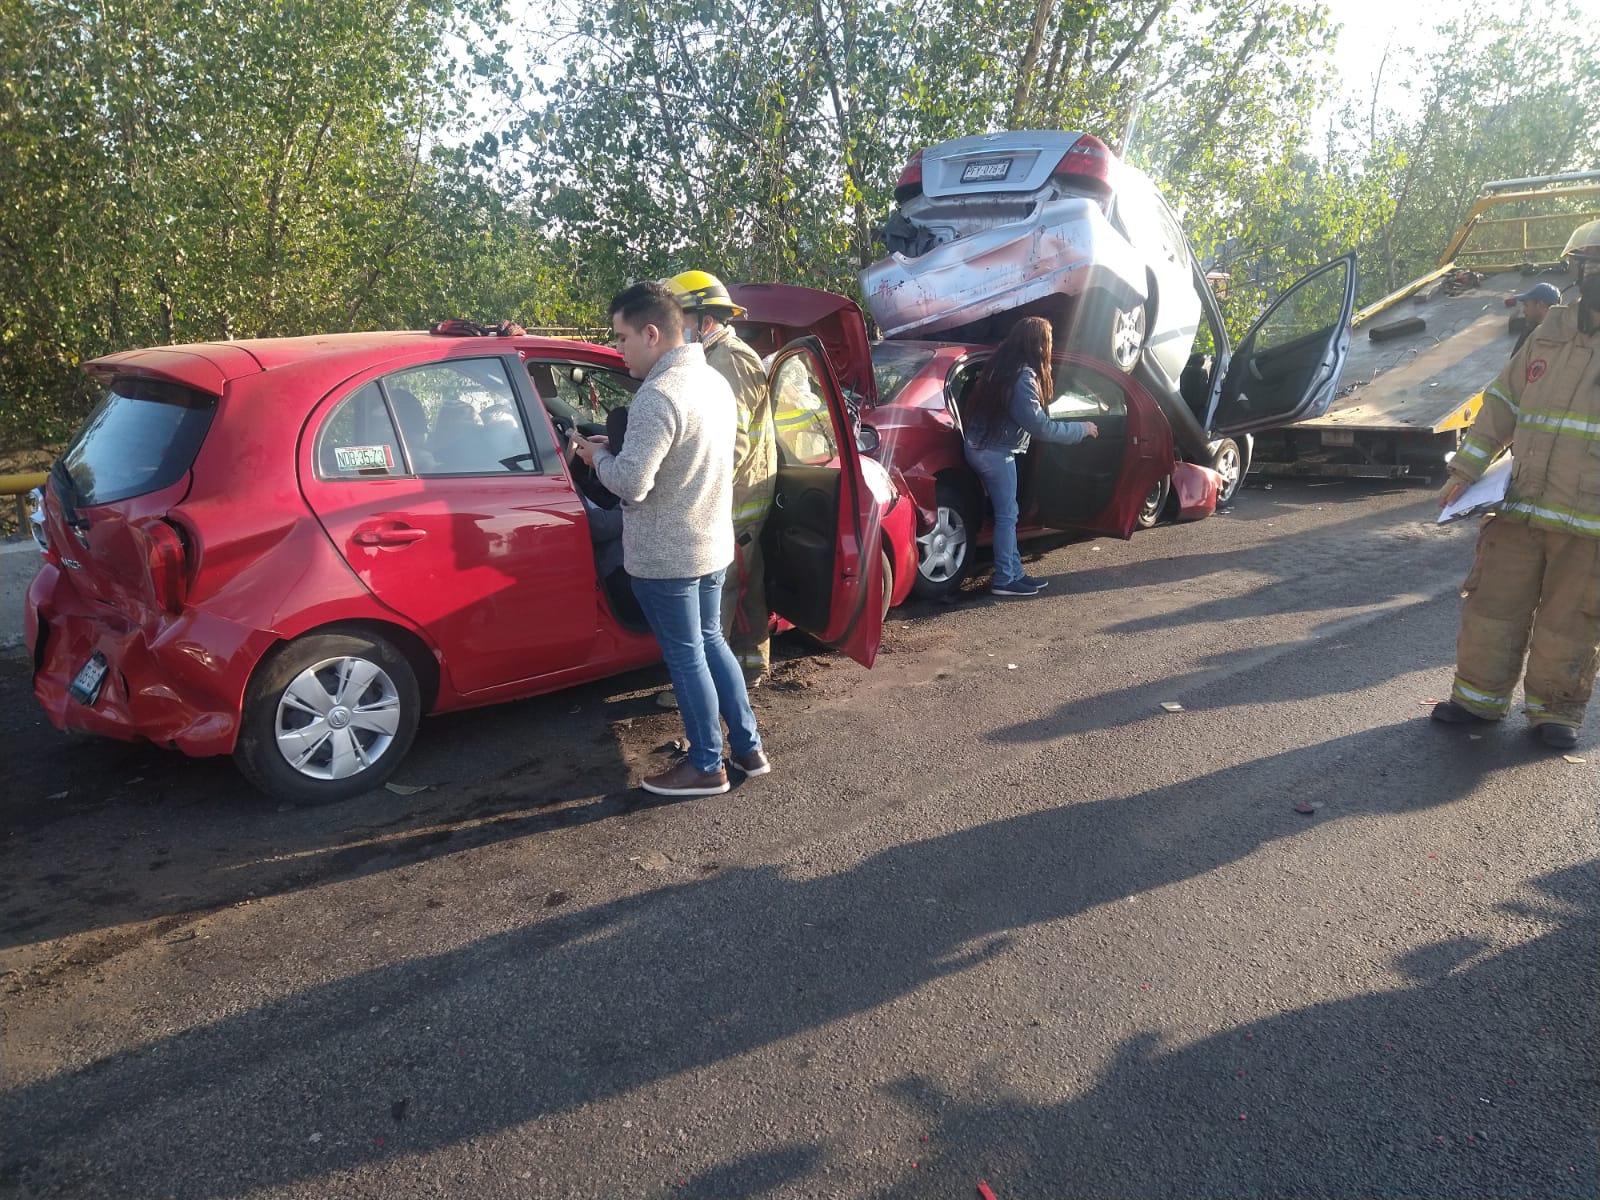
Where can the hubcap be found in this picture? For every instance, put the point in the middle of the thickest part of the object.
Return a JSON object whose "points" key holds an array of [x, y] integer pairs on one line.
{"points": [[943, 549], [337, 717], [1152, 502], [1228, 468], [1127, 337]]}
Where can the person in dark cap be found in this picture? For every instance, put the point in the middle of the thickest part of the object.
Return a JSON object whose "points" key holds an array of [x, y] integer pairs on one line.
{"points": [[1536, 303]]}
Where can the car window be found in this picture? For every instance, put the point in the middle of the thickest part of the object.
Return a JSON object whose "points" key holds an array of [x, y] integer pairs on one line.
{"points": [[800, 414], [1083, 394], [1079, 393], [580, 393], [1314, 307], [895, 366], [460, 418], [1147, 221], [1173, 239], [358, 440], [141, 437]]}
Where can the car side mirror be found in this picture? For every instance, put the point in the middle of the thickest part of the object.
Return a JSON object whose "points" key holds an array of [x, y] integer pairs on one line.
{"points": [[867, 439]]}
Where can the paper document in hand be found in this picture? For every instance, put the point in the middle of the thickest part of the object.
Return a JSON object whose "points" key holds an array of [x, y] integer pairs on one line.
{"points": [[1489, 490]]}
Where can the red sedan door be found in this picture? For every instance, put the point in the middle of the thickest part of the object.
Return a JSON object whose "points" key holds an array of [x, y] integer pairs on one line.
{"points": [[822, 541], [1100, 483], [456, 513]]}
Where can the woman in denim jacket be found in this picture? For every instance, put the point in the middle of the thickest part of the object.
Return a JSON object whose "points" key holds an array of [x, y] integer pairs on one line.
{"points": [[1006, 410]]}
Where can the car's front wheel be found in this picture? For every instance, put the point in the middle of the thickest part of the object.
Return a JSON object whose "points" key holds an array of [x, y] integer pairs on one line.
{"points": [[944, 553], [328, 717], [888, 581], [1228, 462]]}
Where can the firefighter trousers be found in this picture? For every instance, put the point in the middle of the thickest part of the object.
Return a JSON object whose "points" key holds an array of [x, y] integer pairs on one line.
{"points": [[746, 621], [1536, 592]]}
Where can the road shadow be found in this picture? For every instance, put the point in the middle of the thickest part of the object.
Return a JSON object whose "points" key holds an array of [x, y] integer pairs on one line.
{"points": [[573, 1007], [170, 837], [1350, 654], [1477, 1078]]}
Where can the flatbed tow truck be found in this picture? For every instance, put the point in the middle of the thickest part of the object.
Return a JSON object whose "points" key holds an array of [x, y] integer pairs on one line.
{"points": [[1415, 381]]}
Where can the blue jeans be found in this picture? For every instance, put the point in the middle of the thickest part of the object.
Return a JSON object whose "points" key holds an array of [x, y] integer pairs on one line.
{"points": [[686, 617], [998, 470]]}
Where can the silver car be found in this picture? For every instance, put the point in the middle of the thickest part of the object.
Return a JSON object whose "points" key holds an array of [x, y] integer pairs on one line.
{"points": [[995, 227]]}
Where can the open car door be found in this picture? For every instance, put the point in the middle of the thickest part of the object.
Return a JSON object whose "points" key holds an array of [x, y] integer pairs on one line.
{"points": [[1101, 483], [1288, 366], [824, 560]]}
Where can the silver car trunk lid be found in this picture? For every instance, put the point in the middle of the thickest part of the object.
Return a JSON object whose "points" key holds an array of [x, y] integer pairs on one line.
{"points": [[993, 162]]}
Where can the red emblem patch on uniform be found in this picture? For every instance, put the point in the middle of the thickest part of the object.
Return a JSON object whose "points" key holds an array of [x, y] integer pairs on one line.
{"points": [[1536, 370]]}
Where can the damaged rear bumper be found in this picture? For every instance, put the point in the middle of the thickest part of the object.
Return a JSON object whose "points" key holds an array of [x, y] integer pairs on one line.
{"points": [[1065, 249], [177, 681]]}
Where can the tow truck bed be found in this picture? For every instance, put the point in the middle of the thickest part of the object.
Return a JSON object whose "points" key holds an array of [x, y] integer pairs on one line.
{"points": [[1407, 397]]}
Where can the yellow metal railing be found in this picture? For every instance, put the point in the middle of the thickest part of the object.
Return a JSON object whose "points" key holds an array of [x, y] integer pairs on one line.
{"points": [[18, 486], [1524, 245]]}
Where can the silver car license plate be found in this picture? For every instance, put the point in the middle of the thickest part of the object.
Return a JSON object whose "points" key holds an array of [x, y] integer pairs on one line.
{"points": [[986, 172], [85, 688]]}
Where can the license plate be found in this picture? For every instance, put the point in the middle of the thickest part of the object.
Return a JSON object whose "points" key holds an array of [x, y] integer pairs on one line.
{"points": [[986, 172], [85, 688]]}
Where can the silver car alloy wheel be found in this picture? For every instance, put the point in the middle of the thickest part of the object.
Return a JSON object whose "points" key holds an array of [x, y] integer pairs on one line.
{"points": [[337, 718], [1227, 465], [1127, 337], [942, 551]]}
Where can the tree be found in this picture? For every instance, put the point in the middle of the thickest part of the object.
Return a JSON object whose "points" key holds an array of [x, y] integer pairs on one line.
{"points": [[177, 170]]}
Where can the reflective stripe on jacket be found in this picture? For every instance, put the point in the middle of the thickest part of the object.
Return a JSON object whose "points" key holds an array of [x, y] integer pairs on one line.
{"points": [[755, 458], [1546, 406]]}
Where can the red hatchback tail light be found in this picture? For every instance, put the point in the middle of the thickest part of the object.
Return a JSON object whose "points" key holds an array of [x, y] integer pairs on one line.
{"points": [[910, 180], [168, 561], [1089, 164]]}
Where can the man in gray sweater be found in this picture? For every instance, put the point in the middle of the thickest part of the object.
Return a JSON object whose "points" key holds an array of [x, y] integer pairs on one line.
{"points": [[675, 479]]}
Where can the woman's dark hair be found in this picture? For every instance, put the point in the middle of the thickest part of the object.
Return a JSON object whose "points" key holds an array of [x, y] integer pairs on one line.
{"points": [[1027, 345]]}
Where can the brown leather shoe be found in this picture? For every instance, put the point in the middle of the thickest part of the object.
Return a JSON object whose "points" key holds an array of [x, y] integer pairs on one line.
{"points": [[753, 764], [684, 780]]}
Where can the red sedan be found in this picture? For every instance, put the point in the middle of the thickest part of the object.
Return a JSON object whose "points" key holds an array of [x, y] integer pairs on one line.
{"points": [[290, 550], [910, 399]]}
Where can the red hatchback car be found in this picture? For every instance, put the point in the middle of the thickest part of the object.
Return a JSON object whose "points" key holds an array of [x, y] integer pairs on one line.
{"points": [[292, 549]]}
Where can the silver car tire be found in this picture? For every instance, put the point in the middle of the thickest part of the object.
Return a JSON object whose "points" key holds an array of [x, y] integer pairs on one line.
{"points": [[328, 717], [1109, 331], [1228, 461]]}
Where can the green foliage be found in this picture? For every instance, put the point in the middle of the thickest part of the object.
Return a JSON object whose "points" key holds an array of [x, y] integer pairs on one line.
{"points": [[180, 171], [173, 170]]}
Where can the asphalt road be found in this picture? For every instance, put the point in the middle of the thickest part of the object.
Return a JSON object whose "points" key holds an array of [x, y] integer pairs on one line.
{"points": [[997, 915]]}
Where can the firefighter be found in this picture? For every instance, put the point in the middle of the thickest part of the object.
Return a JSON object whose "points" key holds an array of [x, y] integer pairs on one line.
{"points": [[707, 311], [1535, 581]]}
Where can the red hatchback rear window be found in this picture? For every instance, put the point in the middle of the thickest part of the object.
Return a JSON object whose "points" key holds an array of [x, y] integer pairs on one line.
{"points": [[141, 438]]}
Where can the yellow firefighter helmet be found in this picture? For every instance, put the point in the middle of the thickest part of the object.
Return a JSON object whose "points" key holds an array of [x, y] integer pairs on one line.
{"points": [[701, 291], [1584, 245]]}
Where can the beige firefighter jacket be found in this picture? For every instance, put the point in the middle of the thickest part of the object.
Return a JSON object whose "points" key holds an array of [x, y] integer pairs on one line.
{"points": [[755, 459], [1546, 406]]}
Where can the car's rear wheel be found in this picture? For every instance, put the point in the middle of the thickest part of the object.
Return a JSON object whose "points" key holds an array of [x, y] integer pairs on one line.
{"points": [[1228, 462], [1111, 331], [328, 717], [944, 553], [1155, 504]]}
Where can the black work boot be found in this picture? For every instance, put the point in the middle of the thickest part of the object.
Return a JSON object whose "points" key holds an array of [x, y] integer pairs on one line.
{"points": [[1557, 737], [1452, 713]]}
